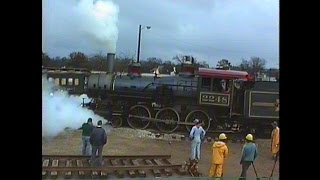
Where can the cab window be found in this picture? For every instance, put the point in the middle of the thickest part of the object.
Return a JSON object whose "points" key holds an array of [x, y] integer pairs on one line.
{"points": [[76, 81], [57, 81], [63, 81], [70, 81], [222, 85], [205, 84]]}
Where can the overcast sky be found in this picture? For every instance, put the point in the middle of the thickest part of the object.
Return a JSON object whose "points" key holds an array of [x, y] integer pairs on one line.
{"points": [[209, 30]]}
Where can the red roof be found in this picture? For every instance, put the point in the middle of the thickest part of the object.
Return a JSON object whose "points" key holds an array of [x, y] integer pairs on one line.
{"points": [[224, 74]]}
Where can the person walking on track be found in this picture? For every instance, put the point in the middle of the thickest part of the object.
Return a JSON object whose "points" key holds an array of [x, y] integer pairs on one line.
{"points": [[98, 139], [219, 153], [275, 139], [197, 134], [249, 154], [86, 131]]}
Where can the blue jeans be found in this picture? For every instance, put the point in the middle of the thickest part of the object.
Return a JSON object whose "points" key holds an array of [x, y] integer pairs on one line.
{"points": [[95, 150], [195, 150], [86, 146]]}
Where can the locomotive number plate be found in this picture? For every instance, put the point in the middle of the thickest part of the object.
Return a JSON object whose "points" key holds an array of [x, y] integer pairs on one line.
{"points": [[214, 99]]}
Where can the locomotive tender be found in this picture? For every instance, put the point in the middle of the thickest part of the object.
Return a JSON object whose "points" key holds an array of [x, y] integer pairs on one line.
{"points": [[221, 99]]}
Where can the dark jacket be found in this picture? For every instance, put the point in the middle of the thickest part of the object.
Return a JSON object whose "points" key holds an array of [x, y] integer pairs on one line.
{"points": [[98, 137], [86, 129]]}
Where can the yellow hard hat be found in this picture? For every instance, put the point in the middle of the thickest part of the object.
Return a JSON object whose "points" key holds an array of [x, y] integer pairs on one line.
{"points": [[249, 137], [222, 136]]}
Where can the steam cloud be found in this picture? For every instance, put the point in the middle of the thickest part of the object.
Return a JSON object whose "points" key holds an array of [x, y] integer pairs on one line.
{"points": [[60, 110], [79, 25]]}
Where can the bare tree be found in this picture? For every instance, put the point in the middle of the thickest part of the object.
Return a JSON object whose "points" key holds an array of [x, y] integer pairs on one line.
{"points": [[79, 60], [254, 65], [257, 64], [203, 64], [150, 63], [244, 66], [127, 56], [224, 64], [123, 60], [98, 62], [46, 60], [178, 58]]}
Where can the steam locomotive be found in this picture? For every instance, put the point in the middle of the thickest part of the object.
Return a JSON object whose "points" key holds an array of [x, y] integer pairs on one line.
{"points": [[223, 100]]}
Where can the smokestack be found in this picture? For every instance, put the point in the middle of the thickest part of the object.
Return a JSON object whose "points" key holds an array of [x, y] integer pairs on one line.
{"points": [[110, 62]]}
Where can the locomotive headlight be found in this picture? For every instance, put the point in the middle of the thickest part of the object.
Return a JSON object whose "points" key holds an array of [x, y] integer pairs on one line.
{"points": [[51, 94]]}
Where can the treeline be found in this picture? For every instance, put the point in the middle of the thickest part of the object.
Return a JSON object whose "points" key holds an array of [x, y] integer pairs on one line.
{"points": [[98, 62]]}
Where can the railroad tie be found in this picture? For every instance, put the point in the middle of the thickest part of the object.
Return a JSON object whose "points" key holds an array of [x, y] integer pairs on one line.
{"points": [[119, 173], [131, 173], [140, 171], [67, 175], [167, 171], [45, 163], [55, 163], [94, 174], [103, 174], [181, 171], [156, 172], [79, 164]]}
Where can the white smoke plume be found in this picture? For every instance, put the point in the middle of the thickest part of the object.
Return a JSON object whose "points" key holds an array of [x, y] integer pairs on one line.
{"points": [[60, 111], [89, 26]]}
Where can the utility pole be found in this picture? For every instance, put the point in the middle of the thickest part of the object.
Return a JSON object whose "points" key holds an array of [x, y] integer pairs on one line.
{"points": [[139, 38]]}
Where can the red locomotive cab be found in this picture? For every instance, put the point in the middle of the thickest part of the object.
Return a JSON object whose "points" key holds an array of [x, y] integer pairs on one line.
{"points": [[218, 87], [221, 80]]}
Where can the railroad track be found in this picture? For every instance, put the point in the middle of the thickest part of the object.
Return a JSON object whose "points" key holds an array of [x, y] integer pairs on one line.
{"points": [[114, 167]]}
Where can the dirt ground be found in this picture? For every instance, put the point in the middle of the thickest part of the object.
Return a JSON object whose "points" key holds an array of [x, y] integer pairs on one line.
{"points": [[122, 141]]}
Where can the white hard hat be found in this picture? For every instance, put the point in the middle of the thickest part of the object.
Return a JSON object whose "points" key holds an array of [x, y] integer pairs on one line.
{"points": [[196, 121], [222, 136]]}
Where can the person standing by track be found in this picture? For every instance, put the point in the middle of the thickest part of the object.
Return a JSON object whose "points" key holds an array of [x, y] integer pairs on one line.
{"points": [[249, 154], [98, 139], [86, 131], [197, 134], [275, 139], [219, 153]]}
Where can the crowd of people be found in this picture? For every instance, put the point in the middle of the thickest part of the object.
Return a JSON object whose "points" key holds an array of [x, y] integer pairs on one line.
{"points": [[220, 149], [94, 138]]}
